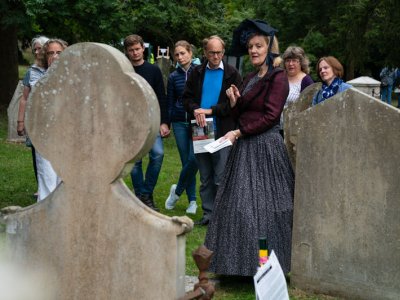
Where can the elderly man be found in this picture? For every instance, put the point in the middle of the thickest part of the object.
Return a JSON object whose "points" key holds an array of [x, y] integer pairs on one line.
{"points": [[205, 97]]}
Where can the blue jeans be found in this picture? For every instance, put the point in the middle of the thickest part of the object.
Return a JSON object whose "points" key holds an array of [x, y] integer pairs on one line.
{"points": [[211, 168], [187, 176], [145, 186], [386, 94]]}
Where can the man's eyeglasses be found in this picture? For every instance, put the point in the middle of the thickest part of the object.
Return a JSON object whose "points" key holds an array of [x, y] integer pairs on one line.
{"points": [[218, 53], [53, 53]]}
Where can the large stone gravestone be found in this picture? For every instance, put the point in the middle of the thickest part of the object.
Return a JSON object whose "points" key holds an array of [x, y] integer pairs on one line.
{"points": [[289, 115], [164, 64], [12, 113], [367, 85], [91, 116], [346, 227]]}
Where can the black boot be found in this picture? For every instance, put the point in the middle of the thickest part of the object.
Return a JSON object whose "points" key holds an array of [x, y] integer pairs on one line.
{"points": [[148, 200]]}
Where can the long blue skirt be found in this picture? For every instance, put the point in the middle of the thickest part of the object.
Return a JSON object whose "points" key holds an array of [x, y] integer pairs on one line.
{"points": [[255, 199]]}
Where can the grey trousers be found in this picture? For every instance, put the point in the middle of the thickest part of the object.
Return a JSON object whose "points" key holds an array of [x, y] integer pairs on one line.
{"points": [[211, 168]]}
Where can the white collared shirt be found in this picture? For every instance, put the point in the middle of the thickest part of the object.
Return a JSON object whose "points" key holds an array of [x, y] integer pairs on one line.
{"points": [[221, 66]]}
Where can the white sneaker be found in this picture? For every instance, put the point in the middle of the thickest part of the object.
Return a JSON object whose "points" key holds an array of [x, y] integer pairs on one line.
{"points": [[192, 208], [172, 198]]}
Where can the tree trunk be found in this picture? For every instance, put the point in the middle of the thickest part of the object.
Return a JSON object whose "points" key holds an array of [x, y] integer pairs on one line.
{"points": [[350, 69], [8, 65]]}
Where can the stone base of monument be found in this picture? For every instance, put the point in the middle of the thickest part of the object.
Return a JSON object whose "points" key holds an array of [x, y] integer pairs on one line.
{"points": [[204, 289]]}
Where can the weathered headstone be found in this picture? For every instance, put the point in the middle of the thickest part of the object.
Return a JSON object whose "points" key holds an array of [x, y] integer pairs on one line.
{"points": [[91, 116], [12, 113], [289, 115], [367, 85], [346, 225], [164, 63]]}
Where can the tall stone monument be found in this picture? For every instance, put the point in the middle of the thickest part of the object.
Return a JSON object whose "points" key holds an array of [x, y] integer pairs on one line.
{"points": [[367, 85], [289, 116], [346, 225], [92, 116], [12, 114], [164, 63]]}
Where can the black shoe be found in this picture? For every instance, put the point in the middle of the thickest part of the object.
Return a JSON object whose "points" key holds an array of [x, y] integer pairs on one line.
{"points": [[148, 200], [202, 222]]}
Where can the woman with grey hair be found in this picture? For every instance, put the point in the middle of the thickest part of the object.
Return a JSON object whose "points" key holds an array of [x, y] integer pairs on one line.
{"points": [[31, 76], [44, 56], [51, 51], [297, 69]]}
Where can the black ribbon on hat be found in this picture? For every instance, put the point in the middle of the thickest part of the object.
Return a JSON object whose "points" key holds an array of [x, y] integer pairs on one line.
{"points": [[242, 33]]}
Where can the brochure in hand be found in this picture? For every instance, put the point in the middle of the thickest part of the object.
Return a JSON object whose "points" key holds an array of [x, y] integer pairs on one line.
{"points": [[202, 135]]}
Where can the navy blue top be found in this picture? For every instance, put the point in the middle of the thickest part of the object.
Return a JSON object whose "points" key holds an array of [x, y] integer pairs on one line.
{"points": [[175, 88], [153, 76]]}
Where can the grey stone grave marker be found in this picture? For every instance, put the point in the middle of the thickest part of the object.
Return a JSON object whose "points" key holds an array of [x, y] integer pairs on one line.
{"points": [[346, 227], [92, 116], [12, 113], [164, 63], [289, 115], [367, 85]]}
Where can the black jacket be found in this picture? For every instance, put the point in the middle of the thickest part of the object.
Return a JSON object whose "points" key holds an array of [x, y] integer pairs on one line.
{"points": [[222, 111]]}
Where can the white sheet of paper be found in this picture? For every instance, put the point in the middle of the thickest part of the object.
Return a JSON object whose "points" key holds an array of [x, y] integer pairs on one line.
{"points": [[270, 282], [217, 145]]}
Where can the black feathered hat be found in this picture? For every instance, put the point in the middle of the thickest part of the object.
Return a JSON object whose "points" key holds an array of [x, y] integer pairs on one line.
{"points": [[242, 33]]}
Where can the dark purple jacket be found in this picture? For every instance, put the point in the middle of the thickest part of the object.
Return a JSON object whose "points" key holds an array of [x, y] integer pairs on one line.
{"points": [[260, 109], [305, 82]]}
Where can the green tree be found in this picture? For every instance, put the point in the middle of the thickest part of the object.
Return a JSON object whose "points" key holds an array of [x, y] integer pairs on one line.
{"points": [[362, 34], [160, 22], [12, 18]]}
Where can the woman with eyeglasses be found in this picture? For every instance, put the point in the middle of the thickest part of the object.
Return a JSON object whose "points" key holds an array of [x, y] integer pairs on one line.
{"points": [[47, 177], [52, 49], [43, 59], [31, 76], [330, 71], [297, 69]]}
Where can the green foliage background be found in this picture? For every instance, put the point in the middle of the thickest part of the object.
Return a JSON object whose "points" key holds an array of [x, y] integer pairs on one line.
{"points": [[363, 34]]}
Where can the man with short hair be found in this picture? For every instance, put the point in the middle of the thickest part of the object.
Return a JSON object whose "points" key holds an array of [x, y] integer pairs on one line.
{"points": [[205, 96], [144, 185]]}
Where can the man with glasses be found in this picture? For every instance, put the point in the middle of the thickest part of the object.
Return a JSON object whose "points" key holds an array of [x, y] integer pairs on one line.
{"points": [[205, 97]]}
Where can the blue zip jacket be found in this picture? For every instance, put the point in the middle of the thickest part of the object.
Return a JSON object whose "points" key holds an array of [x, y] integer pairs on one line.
{"points": [[175, 88]]}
